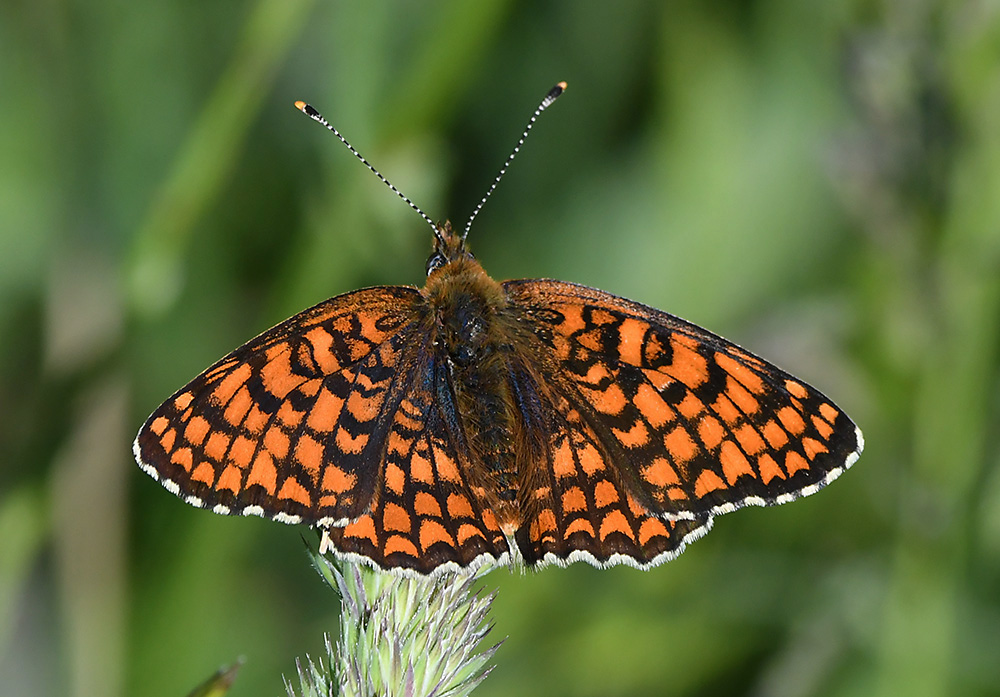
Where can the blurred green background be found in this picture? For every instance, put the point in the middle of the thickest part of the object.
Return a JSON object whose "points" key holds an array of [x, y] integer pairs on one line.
{"points": [[819, 182]]}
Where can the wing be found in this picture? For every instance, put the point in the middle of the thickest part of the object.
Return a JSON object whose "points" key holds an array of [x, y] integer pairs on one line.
{"points": [[293, 424], [576, 504], [424, 517], [340, 417], [692, 425]]}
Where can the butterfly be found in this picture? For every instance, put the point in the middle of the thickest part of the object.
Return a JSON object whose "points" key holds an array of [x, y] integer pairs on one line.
{"points": [[471, 422]]}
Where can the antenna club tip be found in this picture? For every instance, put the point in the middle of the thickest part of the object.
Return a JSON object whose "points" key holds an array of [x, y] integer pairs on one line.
{"points": [[553, 94], [309, 111]]}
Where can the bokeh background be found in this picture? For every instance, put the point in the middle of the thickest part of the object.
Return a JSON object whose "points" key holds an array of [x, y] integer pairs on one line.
{"points": [[819, 182]]}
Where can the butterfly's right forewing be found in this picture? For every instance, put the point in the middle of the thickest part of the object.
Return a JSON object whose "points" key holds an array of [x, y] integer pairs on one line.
{"points": [[692, 424]]}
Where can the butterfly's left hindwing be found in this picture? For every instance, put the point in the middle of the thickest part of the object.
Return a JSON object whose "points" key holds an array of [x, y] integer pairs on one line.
{"points": [[694, 425], [424, 515], [290, 425]]}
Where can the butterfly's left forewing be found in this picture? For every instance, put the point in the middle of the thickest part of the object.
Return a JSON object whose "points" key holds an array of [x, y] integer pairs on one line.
{"points": [[290, 425], [694, 425]]}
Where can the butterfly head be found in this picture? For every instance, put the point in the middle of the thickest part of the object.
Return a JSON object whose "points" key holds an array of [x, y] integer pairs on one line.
{"points": [[449, 247]]}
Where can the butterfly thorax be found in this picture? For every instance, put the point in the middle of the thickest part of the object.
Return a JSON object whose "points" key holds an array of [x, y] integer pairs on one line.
{"points": [[470, 317]]}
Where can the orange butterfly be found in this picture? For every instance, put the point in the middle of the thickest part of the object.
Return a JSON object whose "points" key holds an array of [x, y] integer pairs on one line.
{"points": [[472, 422]]}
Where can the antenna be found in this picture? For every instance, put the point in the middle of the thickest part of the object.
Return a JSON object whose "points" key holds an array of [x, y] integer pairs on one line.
{"points": [[318, 117], [552, 95]]}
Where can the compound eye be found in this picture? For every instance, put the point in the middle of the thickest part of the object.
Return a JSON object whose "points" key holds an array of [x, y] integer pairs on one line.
{"points": [[435, 261]]}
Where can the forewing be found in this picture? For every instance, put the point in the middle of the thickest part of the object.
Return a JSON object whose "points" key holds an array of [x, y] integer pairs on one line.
{"points": [[694, 425], [424, 516], [292, 425]]}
